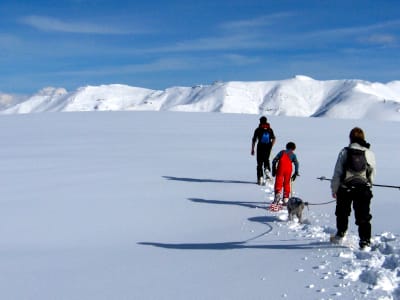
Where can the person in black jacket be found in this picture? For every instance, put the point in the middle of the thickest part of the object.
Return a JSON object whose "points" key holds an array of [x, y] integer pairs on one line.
{"points": [[265, 138]]}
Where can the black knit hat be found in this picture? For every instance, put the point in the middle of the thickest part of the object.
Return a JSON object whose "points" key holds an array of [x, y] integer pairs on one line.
{"points": [[291, 146], [263, 120]]}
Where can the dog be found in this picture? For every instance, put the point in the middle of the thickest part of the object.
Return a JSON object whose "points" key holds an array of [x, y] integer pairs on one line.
{"points": [[295, 207]]}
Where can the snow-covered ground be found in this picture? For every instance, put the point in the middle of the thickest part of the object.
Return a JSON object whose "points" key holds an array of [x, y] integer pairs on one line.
{"points": [[163, 205], [299, 96]]}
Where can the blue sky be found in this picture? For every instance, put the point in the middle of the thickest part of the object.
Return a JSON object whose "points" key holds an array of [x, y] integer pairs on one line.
{"points": [[158, 44]]}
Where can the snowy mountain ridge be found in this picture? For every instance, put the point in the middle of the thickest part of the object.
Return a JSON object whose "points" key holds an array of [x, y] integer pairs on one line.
{"points": [[300, 96]]}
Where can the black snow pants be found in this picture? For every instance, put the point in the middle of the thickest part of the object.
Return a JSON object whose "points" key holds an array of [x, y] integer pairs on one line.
{"points": [[263, 154], [360, 197]]}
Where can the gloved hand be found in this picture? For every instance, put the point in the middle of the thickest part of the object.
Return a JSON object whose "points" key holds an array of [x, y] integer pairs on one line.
{"points": [[273, 171], [294, 176]]}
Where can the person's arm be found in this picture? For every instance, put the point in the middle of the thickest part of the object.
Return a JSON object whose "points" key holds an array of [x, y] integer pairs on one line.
{"points": [[296, 164], [252, 148], [370, 156], [273, 138], [296, 167], [253, 142], [337, 172], [274, 162]]}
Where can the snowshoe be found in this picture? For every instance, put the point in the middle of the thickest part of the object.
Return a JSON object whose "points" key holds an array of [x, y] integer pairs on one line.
{"points": [[275, 207]]}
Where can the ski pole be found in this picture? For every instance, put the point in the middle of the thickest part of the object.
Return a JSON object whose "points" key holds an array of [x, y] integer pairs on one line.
{"points": [[380, 185]]}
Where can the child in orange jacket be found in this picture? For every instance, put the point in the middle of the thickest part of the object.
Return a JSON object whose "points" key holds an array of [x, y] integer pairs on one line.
{"points": [[282, 171]]}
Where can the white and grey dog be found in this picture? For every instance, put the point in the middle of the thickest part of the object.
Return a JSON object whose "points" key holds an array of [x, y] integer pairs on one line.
{"points": [[295, 207]]}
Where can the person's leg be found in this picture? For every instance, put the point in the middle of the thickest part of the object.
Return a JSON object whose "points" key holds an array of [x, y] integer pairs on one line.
{"points": [[260, 162], [362, 214], [343, 211], [278, 186], [286, 185], [267, 164]]}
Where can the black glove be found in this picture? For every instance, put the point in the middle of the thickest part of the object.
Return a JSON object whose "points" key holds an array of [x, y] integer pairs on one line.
{"points": [[294, 176], [273, 171]]}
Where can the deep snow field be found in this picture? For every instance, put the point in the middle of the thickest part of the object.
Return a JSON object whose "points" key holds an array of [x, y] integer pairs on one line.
{"points": [[164, 205]]}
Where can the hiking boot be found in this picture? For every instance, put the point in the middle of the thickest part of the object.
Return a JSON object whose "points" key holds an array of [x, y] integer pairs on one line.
{"points": [[336, 239], [364, 244], [260, 181], [277, 198], [285, 201]]}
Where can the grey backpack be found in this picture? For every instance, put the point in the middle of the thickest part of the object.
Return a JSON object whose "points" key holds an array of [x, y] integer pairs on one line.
{"points": [[356, 168]]}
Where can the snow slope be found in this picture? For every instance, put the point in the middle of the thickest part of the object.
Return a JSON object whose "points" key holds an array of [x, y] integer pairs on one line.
{"points": [[163, 205], [299, 96]]}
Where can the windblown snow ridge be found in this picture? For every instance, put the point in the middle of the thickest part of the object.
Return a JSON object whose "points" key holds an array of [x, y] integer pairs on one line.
{"points": [[300, 96]]}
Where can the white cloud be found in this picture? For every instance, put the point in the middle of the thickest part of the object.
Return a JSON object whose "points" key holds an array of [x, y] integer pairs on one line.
{"points": [[168, 64], [255, 34], [257, 22], [354, 30], [223, 42], [162, 64], [235, 35], [52, 24], [380, 39], [6, 99], [240, 60]]}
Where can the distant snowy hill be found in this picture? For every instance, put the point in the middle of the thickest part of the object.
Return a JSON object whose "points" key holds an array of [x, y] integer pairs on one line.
{"points": [[299, 96]]}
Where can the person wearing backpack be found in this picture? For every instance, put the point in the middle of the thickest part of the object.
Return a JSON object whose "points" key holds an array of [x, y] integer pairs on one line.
{"points": [[282, 170], [265, 138], [351, 184]]}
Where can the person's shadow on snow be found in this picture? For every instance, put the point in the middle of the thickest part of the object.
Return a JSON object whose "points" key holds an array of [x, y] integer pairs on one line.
{"points": [[249, 204], [205, 180], [246, 244], [236, 245]]}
